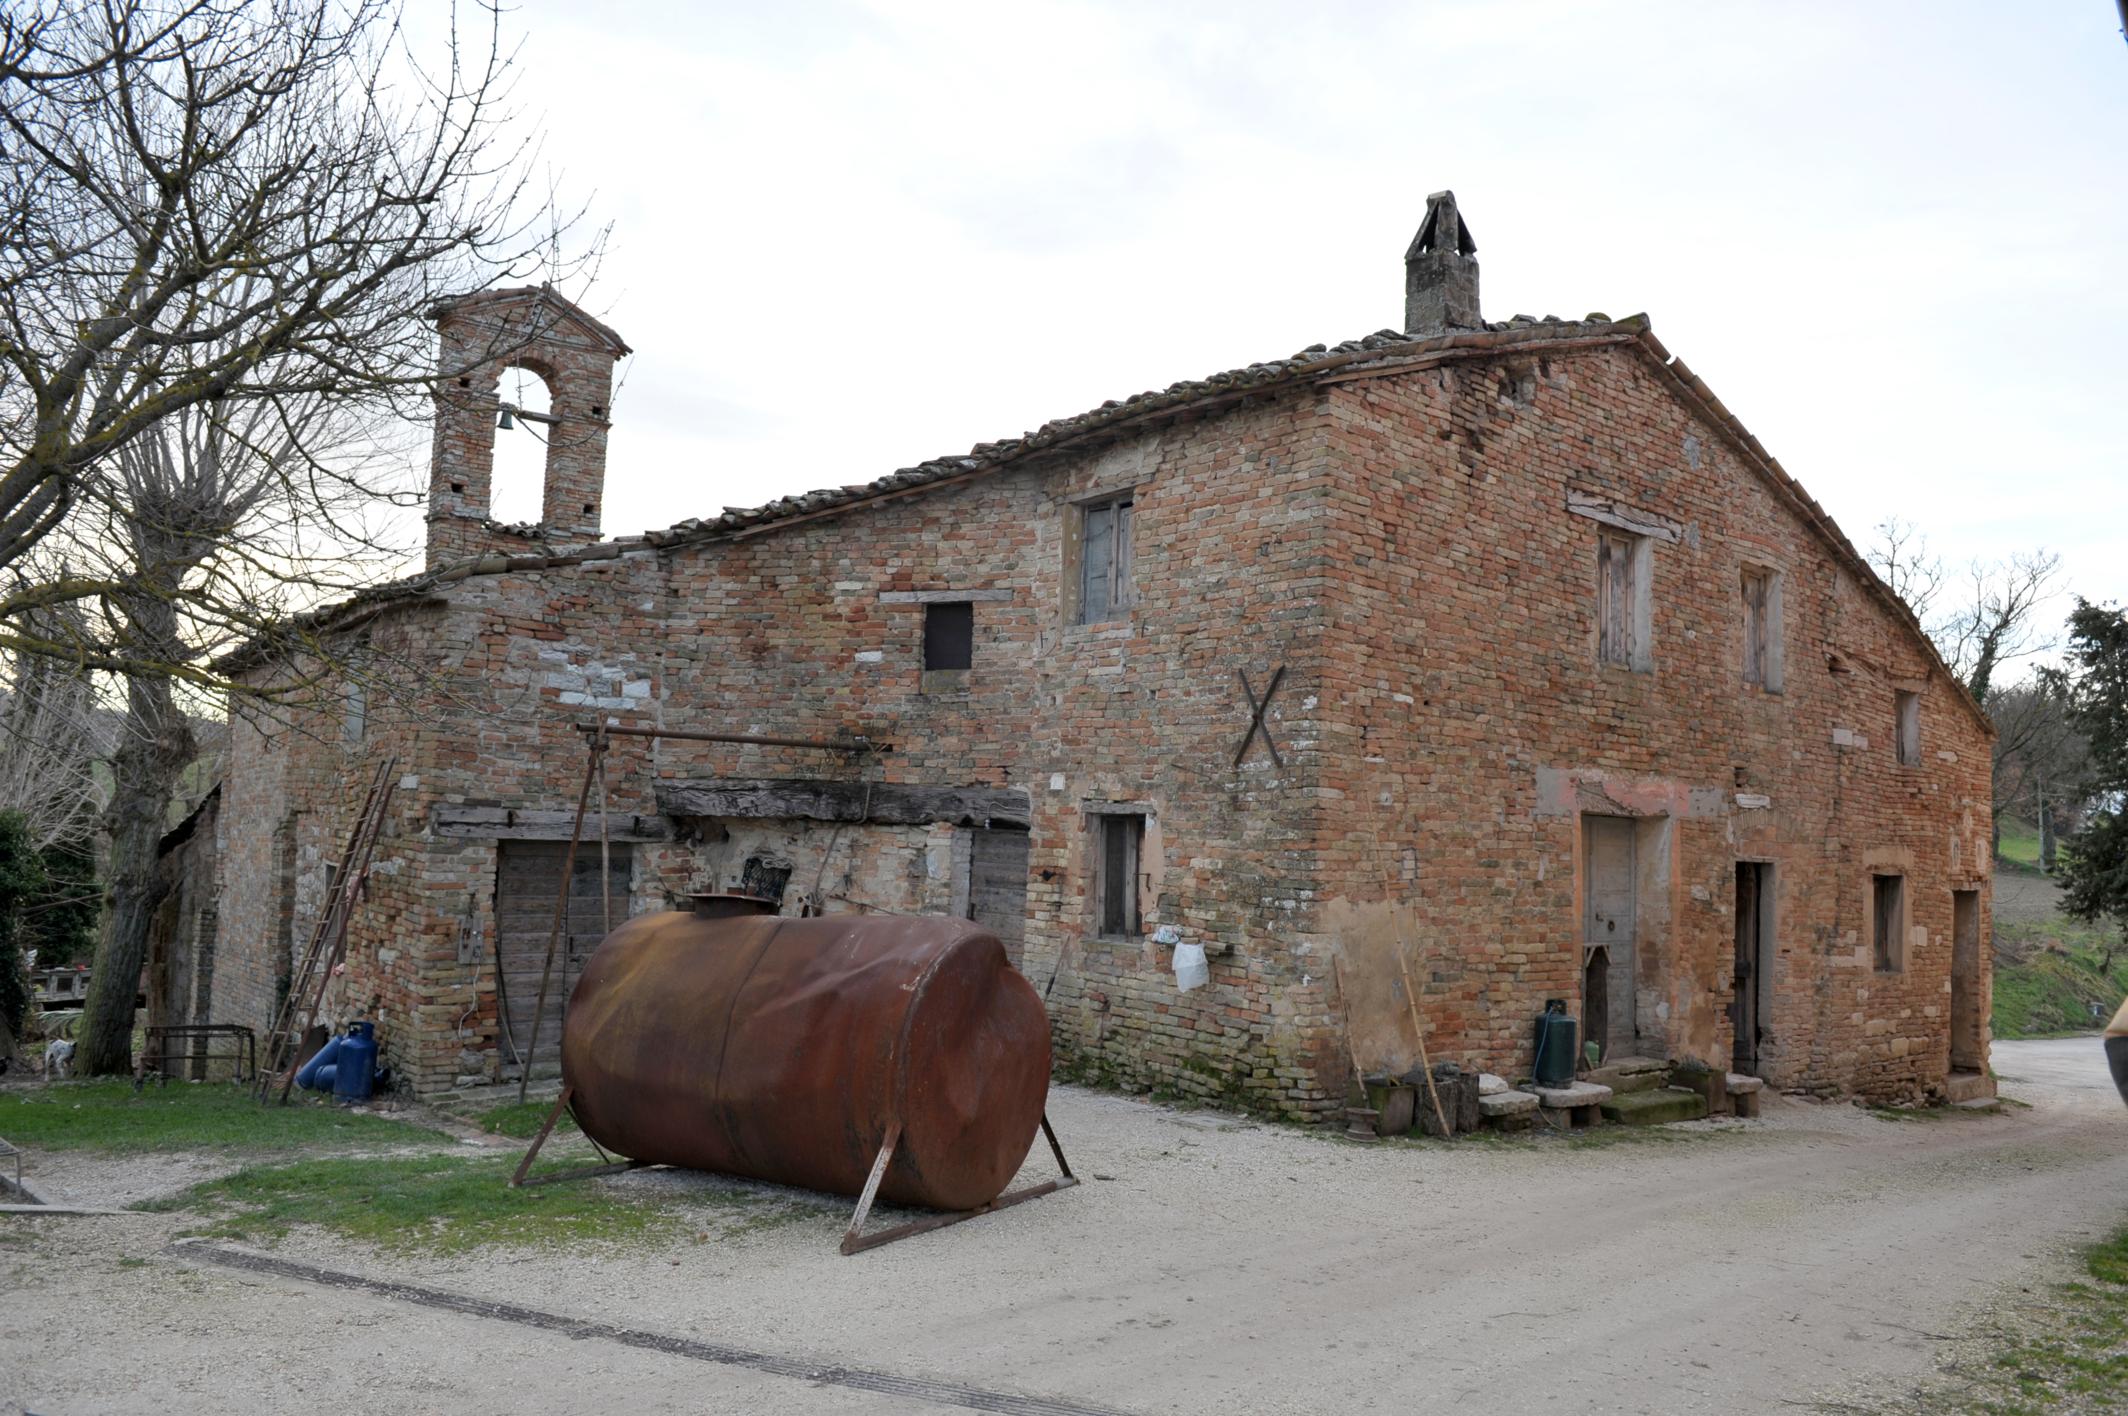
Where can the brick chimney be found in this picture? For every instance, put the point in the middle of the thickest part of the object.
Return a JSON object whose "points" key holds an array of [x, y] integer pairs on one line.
{"points": [[479, 336], [1441, 272]]}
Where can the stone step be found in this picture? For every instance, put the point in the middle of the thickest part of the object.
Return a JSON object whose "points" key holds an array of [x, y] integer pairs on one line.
{"points": [[1577, 1094], [1656, 1107], [1968, 1086], [1507, 1103], [1630, 1074]]}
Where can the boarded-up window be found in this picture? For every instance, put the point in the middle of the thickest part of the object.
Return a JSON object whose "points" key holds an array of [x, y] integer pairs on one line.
{"points": [[1888, 917], [1118, 841], [1622, 615], [949, 635], [1908, 729], [1105, 561], [1758, 648]]}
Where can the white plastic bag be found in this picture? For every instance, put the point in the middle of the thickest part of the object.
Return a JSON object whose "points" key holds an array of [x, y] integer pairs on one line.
{"points": [[1191, 971]]}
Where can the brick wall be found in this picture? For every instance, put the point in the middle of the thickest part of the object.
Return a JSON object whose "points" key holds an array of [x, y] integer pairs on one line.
{"points": [[1401, 546], [1474, 727]]}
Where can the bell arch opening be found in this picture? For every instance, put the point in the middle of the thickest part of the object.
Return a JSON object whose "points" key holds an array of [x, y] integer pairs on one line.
{"points": [[524, 432]]}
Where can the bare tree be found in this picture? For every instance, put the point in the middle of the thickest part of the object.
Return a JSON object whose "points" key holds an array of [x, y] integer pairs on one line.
{"points": [[188, 511], [1983, 620], [229, 204], [1995, 622], [2041, 759], [52, 737], [1900, 555]]}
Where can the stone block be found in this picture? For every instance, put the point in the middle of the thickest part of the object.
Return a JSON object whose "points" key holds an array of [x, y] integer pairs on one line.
{"points": [[1654, 1108]]}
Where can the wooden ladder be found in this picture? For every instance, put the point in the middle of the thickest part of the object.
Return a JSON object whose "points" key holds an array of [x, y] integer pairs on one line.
{"points": [[328, 938]]}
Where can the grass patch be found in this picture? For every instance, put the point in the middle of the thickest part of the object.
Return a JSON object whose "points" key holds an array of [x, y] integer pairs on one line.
{"points": [[108, 1115], [2051, 974], [2019, 844], [521, 1119], [2064, 1350], [434, 1203]]}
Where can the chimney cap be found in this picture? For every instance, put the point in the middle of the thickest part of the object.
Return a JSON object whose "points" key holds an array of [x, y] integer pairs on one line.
{"points": [[1442, 217]]}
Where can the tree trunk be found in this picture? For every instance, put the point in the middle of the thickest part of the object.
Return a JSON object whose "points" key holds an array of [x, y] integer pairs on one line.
{"points": [[2046, 828], [154, 750]]}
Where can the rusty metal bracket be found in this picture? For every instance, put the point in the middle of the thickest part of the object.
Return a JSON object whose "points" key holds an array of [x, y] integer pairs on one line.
{"points": [[855, 1241], [1257, 708], [546, 1128]]}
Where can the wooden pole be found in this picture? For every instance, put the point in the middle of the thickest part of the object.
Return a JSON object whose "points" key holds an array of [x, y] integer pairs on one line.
{"points": [[1411, 998], [1411, 994], [1352, 1049]]}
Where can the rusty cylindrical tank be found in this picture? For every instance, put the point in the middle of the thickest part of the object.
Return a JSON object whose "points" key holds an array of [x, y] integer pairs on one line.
{"points": [[781, 1049]]}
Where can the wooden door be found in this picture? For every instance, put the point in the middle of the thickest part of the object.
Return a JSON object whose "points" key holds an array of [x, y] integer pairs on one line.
{"points": [[527, 878], [1965, 981], [1608, 921], [997, 886], [1747, 1026]]}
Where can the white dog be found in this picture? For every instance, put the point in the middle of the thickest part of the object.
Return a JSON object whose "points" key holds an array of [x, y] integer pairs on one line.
{"points": [[58, 1058]]}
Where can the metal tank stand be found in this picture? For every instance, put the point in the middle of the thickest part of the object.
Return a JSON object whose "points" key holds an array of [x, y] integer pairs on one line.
{"points": [[546, 1128], [855, 1241]]}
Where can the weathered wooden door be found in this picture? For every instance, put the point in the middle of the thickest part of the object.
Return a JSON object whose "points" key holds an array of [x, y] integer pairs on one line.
{"points": [[1965, 980], [997, 886], [527, 878], [1747, 1004], [1612, 981]]}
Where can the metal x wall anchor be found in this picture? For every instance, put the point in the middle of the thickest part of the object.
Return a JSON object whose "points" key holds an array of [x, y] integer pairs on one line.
{"points": [[1257, 706]]}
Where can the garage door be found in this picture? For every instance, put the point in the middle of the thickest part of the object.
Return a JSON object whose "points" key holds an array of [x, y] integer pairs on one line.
{"points": [[527, 878]]}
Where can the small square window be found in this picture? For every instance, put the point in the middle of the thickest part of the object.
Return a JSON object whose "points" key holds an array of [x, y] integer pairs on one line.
{"points": [[1105, 560], [1908, 729], [949, 635], [1118, 840], [1888, 922], [1622, 607]]}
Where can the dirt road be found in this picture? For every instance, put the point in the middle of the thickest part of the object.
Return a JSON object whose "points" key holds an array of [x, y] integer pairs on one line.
{"points": [[1822, 1255]]}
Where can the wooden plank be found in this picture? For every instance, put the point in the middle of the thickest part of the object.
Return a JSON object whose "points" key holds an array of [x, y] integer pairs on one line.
{"points": [[815, 799], [497, 823], [997, 884], [528, 875], [1625, 518]]}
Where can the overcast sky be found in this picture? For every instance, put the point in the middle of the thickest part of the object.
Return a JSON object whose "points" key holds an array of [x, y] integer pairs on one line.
{"points": [[849, 237]]}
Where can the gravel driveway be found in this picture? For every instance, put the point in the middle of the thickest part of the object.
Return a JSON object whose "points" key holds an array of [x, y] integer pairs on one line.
{"points": [[1820, 1256]]}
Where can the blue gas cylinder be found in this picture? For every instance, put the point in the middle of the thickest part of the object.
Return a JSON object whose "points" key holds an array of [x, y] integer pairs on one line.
{"points": [[356, 1066]]}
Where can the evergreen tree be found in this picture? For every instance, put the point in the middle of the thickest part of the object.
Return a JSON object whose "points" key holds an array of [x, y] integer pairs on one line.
{"points": [[21, 878], [2094, 871]]}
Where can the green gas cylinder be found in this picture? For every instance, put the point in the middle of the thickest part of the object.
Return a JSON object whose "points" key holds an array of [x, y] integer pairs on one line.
{"points": [[1554, 1065]]}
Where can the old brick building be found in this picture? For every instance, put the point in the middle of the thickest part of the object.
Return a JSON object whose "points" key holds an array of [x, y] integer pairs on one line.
{"points": [[1567, 689]]}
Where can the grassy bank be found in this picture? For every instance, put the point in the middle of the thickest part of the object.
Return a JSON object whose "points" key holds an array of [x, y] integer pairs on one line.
{"points": [[2019, 843], [2051, 976]]}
